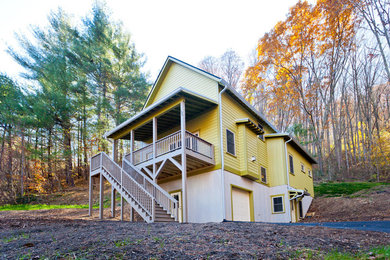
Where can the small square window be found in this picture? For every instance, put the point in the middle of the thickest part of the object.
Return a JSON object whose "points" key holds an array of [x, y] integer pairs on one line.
{"points": [[302, 167], [230, 143], [263, 175], [277, 204]]}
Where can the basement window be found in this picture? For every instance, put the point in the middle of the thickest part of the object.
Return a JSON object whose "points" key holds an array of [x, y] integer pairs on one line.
{"points": [[230, 143], [263, 175], [277, 204]]}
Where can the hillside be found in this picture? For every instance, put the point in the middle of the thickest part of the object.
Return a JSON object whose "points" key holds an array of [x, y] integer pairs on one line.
{"points": [[350, 202]]}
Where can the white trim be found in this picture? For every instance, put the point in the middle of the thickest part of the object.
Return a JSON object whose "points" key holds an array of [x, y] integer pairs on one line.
{"points": [[273, 206]]}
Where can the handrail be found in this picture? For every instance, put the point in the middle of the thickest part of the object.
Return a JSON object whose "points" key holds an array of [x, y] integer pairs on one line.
{"points": [[170, 143], [149, 207], [151, 181], [197, 137], [143, 148], [155, 187], [166, 137]]}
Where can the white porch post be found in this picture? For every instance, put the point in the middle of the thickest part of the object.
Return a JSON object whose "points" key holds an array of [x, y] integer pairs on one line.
{"points": [[183, 161], [154, 147], [115, 159], [101, 196], [131, 145], [90, 195], [113, 195], [122, 201]]}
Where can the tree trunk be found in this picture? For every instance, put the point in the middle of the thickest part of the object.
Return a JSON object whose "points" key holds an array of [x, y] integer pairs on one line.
{"points": [[68, 153]]}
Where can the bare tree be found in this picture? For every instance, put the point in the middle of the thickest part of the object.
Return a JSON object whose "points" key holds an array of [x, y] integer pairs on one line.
{"points": [[229, 67]]}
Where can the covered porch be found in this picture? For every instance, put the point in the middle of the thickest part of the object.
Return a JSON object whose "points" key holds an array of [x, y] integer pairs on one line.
{"points": [[156, 135]]}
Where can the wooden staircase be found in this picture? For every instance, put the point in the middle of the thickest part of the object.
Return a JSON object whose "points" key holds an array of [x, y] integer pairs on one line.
{"points": [[148, 199]]}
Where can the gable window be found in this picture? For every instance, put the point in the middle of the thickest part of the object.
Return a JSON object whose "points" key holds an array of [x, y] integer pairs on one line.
{"points": [[263, 175], [291, 164], [309, 173], [230, 144], [302, 167], [277, 204]]}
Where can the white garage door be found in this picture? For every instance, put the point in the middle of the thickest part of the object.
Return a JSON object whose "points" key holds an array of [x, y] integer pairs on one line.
{"points": [[241, 205]]}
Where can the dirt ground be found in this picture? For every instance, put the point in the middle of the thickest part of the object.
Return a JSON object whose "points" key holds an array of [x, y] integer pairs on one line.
{"points": [[366, 205], [70, 233]]}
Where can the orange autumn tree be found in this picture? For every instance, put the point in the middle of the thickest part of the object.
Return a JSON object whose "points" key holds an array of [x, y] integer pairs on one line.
{"points": [[299, 64]]}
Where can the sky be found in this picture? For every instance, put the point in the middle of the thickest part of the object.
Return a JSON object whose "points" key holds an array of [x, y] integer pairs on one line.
{"points": [[187, 30]]}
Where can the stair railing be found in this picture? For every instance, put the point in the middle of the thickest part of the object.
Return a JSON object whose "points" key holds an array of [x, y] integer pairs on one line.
{"points": [[126, 183], [162, 197]]}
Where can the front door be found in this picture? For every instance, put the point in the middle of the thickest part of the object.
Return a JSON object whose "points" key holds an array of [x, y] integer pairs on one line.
{"points": [[177, 196], [293, 211]]}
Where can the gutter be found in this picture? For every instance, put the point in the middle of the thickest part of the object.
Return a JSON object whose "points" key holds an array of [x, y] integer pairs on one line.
{"points": [[222, 157]]}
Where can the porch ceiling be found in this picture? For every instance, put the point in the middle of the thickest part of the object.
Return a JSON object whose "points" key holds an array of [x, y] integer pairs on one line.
{"points": [[195, 105]]}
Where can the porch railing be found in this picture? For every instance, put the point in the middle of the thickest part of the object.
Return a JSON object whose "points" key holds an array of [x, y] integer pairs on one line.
{"points": [[171, 143], [126, 182], [160, 195]]}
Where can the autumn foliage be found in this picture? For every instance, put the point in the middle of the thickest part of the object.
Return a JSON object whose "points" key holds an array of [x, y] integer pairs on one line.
{"points": [[319, 76]]}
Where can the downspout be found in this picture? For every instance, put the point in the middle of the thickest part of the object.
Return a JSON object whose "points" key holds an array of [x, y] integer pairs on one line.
{"points": [[288, 176], [222, 159]]}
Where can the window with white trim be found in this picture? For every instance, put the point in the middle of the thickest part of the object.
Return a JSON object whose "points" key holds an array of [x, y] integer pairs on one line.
{"points": [[309, 173], [291, 163], [277, 204], [302, 167], [230, 142], [263, 173]]}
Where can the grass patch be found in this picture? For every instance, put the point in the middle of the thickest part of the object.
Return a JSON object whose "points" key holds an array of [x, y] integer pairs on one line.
{"points": [[343, 188], [382, 252], [41, 206]]}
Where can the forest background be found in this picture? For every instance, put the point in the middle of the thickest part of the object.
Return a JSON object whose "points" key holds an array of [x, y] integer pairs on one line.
{"points": [[321, 75]]}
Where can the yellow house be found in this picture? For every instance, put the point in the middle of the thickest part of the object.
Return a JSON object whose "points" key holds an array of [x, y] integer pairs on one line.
{"points": [[235, 165]]}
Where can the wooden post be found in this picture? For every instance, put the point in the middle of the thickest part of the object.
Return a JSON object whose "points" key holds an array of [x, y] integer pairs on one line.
{"points": [[101, 196], [122, 201], [90, 195], [183, 161], [115, 150], [113, 193], [154, 147]]}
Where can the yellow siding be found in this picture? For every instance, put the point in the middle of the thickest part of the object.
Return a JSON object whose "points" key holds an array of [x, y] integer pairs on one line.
{"points": [[300, 180], [252, 140], [247, 142], [180, 76], [276, 162]]}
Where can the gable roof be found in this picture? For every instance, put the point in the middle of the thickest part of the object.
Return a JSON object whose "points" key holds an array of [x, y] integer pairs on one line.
{"points": [[168, 62]]}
